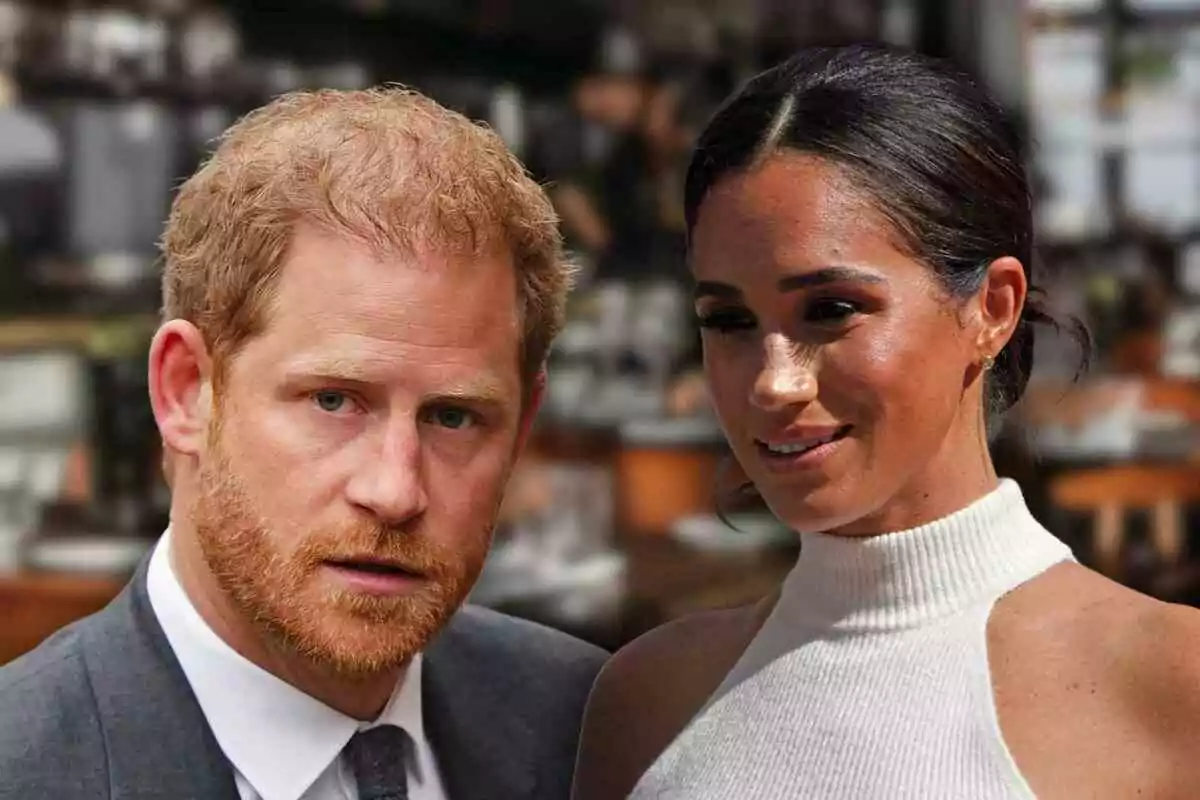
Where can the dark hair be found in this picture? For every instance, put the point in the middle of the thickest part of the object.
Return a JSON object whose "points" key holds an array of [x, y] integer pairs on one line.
{"points": [[937, 155]]}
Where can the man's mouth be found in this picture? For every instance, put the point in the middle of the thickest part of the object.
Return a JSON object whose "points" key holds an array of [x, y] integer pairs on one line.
{"points": [[369, 566], [374, 577]]}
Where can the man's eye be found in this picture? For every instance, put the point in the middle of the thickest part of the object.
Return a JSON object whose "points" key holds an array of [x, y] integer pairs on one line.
{"points": [[451, 417], [331, 402], [831, 310]]}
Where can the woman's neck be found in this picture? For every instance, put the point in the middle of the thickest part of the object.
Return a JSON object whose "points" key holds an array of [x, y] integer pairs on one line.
{"points": [[960, 473], [912, 576]]}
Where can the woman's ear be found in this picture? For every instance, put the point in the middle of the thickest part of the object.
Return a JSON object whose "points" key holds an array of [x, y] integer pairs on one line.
{"points": [[1001, 300], [180, 382]]}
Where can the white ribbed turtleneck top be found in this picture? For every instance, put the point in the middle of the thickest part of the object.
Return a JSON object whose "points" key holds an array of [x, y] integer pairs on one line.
{"points": [[869, 680]]}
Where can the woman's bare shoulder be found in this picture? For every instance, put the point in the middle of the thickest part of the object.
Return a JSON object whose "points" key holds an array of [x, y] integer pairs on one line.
{"points": [[1160, 665], [1085, 668], [650, 689]]}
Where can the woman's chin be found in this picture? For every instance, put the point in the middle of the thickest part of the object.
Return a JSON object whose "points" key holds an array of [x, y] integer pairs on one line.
{"points": [[815, 511]]}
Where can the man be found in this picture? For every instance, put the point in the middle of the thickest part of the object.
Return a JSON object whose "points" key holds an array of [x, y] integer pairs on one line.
{"points": [[360, 291]]}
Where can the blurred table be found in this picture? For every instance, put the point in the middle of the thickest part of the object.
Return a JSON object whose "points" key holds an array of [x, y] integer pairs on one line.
{"points": [[1107, 420], [663, 472], [82, 332], [665, 579]]}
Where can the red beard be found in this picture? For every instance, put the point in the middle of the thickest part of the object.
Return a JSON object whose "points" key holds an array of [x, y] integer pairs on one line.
{"points": [[280, 591]]}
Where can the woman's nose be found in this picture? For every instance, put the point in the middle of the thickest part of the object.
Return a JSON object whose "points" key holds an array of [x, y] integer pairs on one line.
{"points": [[788, 376]]}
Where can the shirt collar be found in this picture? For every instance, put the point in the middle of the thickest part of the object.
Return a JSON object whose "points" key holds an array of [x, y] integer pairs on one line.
{"points": [[276, 736]]}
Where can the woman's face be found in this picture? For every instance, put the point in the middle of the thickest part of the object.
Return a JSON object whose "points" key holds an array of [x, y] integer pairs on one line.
{"points": [[845, 377]]}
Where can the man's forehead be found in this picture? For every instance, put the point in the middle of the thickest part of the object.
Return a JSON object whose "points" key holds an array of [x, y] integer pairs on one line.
{"points": [[324, 276], [355, 317], [425, 247], [461, 373]]}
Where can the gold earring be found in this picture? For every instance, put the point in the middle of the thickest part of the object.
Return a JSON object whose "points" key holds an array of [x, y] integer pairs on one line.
{"points": [[988, 363]]}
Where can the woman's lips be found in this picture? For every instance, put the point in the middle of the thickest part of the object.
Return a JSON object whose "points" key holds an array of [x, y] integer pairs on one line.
{"points": [[802, 449]]}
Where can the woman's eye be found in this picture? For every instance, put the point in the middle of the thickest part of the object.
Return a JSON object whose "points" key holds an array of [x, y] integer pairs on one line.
{"points": [[725, 321], [331, 402], [831, 310]]}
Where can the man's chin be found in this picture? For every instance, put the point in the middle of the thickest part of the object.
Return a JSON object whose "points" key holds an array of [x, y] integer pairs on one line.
{"points": [[355, 652], [352, 662], [357, 639]]}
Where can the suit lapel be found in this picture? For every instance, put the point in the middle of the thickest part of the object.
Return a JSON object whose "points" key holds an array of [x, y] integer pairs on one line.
{"points": [[159, 744], [484, 747]]}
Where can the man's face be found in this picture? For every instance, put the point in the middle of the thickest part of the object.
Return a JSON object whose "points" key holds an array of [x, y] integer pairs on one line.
{"points": [[360, 447]]}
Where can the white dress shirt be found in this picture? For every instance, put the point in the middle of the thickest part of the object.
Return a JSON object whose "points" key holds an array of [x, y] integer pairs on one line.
{"points": [[282, 743]]}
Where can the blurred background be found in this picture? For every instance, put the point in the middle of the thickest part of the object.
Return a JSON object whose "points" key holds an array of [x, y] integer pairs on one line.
{"points": [[614, 522]]}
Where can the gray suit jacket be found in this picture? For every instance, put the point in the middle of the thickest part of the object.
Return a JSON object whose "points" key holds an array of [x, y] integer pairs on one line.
{"points": [[103, 710]]}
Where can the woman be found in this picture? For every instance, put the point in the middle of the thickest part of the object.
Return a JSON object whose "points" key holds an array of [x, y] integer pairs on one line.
{"points": [[860, 237]]}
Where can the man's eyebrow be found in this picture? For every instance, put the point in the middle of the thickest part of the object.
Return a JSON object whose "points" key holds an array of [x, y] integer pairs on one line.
{"points": [[339, 369], [483, 392]]}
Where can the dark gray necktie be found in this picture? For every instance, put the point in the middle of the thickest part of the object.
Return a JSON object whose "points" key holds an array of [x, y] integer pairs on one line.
{"points": [[377, 758]]}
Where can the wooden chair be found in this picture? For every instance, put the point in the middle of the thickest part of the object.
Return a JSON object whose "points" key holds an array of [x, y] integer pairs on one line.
{"points": [[1176, 395], [1109, 493], [35, 605]]}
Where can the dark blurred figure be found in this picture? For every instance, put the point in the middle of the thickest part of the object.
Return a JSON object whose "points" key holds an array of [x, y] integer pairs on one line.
{"points": [[30, 191], [613, 160]]}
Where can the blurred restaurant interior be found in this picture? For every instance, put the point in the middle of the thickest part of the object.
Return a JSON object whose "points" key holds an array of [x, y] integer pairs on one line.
{"points": [[613, 522]]}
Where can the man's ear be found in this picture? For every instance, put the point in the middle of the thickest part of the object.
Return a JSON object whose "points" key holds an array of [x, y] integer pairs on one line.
{"points": [[180, 380], [1001, 300], [533, 403]]}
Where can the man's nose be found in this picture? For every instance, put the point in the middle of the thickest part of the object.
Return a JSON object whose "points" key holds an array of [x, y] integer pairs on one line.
{"points": [[389, 483]]}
